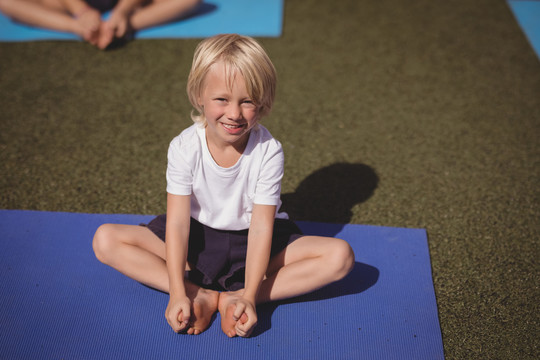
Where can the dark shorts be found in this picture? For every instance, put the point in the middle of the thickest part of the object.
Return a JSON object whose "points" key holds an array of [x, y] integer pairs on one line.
{"points": [[218, 257], [102, 5]]}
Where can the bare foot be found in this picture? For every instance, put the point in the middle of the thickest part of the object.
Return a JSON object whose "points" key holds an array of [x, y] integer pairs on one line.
{"points": [[92, 37], [204, 304], [226, 307]]}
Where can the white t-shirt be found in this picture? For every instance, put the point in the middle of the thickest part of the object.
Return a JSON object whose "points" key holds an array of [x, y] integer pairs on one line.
{"points": [[223, 198]]}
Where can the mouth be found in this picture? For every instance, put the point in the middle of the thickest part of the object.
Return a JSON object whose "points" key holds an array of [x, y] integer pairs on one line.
{"points": [[230, 126], [233, 129]]}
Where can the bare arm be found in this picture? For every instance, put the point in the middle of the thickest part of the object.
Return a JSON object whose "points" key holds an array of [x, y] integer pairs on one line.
{"points": [[177, 235], [127, 6], [258, 256]]}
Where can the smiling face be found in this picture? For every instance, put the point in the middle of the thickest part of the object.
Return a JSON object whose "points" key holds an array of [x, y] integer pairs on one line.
{"points": [[229, 111]]}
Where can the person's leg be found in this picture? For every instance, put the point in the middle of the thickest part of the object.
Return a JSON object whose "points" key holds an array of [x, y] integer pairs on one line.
{"points": [[154, 12], [50, 14], [161, 11], [138, 253], [307, 264], [134, 251]]}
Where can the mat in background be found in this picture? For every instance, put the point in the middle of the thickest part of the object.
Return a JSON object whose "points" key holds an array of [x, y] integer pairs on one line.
{"points": [[58, 302], [261, 18], [527, 14]]}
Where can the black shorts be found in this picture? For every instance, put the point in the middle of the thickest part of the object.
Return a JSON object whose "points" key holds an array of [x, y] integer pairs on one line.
{"points": [[218, 257], [102, 5]]}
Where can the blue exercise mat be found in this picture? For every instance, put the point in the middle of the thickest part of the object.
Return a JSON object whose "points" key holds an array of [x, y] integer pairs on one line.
{"points": [[58, 302], [261, 18], [527, 14]]}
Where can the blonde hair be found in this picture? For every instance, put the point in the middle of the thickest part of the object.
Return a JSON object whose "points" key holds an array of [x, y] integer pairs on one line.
{"points": [[238, 53]]}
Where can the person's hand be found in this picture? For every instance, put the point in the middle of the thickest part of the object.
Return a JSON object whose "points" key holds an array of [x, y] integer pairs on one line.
{"points": [[245, 315], [118, 22], [178, 313], [117, 26], [89, 21]]}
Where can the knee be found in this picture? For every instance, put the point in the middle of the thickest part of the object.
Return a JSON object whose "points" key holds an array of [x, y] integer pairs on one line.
{"points": [[6, 6], [103, 242], [341, 259]]}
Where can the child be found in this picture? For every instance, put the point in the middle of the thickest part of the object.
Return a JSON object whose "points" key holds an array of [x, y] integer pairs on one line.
{"points": [[83, 18], [223, 230]]}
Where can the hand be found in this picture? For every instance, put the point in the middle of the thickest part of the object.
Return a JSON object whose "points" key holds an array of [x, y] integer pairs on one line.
{"points": [[245, 316], [115, 27], [118, 23], [178, 313], [89, 21]]}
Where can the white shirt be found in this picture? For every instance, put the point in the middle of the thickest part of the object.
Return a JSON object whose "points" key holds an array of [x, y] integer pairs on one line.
{"points": [[223, 198]]}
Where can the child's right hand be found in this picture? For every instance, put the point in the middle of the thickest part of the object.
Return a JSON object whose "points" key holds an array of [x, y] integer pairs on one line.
{"points": [[178, 312]]}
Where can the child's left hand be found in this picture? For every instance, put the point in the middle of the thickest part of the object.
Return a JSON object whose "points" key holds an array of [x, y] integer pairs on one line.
{"points": [[245, 316], [116, 26], [89, 21]]}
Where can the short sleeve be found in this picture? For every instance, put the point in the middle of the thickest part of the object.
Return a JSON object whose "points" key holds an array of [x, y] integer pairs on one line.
{"points": [[179, 173], [268, 189]]}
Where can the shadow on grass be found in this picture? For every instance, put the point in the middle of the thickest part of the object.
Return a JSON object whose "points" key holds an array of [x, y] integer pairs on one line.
{"points": [[329, 194]]}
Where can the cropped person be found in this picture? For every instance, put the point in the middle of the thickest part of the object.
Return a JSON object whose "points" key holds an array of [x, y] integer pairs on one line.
{"points": [[83, 17]]}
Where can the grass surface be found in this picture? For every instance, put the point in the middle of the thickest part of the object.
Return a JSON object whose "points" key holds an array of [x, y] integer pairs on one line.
{"points": [[409, 114]]}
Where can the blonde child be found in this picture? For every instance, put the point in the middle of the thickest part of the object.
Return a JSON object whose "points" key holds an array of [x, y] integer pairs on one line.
{"points": [[227, 247], [83, 17]]}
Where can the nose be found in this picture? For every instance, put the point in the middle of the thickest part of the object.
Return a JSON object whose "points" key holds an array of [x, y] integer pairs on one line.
{"points": [[234, 112]]}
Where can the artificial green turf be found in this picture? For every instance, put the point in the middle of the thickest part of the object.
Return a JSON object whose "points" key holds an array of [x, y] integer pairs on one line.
{"points": [[411, 114]]}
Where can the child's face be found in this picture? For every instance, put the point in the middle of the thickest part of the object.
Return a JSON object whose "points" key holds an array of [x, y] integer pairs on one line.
{"points": [[229, 111]]}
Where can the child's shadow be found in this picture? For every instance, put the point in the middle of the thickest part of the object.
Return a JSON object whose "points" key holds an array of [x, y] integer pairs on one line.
{"points": [[327, 196]]}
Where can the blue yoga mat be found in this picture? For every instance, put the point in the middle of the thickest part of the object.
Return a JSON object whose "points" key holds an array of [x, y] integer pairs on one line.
{"points": [[58, 302], [261, 18], [527, 14]]}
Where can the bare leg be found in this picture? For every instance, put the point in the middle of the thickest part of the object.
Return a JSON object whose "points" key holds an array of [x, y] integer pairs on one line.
{"points": [[139, 254], [48, 14], [134, 251], [306, 265], [161, 11]]}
